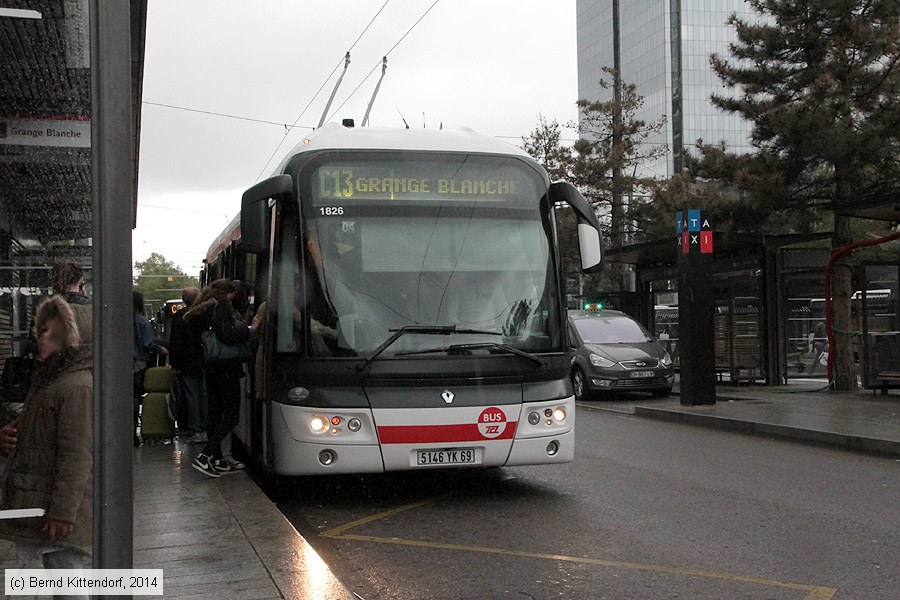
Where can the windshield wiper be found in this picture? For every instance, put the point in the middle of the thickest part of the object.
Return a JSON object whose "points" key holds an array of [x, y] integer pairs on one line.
{"points": [[488, 345], [421, 330]]}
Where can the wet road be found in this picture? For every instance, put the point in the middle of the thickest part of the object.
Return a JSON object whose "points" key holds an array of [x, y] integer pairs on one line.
{"points": [[647, 510]]}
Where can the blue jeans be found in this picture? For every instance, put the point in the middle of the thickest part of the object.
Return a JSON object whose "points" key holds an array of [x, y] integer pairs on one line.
{"points": [[193, 391]]}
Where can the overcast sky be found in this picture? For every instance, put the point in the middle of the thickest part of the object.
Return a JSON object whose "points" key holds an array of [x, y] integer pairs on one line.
{"points": [[488, 64]]}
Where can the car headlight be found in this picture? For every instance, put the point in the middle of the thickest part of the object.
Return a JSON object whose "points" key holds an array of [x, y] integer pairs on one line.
{"points": [[666, 361], [601, 361]]}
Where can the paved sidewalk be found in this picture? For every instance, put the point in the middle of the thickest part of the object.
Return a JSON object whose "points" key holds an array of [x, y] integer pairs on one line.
{"points": [[802, 411], [214, 538], [219, 538]]}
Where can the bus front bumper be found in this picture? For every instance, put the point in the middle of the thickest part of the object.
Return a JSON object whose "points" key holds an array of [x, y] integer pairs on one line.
{"points": [[331, 446]]}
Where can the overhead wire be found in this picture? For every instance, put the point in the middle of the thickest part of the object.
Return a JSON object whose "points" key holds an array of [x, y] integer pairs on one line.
{"points": [[289, 128], [319, 91], [302, 112], [379, 63], [367, 26], [424, 14], [310, 127], [219, 114]]}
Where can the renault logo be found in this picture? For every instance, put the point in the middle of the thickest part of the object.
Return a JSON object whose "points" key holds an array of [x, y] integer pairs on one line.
{"points": [[448, 396]]}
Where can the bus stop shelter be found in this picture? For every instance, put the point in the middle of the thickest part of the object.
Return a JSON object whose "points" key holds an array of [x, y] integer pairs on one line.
{"points": [[877, 301], [763, 286], [70, 90]]}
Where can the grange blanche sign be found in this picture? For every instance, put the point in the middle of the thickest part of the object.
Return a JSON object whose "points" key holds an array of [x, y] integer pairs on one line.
{"points": [[60, 132]]}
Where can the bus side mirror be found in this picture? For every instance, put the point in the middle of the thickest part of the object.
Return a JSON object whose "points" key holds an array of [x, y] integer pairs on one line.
{"points": [[255, 211], [590, 238]]}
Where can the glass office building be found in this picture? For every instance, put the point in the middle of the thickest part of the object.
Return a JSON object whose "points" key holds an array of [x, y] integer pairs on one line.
{"points": [[663, 47]]}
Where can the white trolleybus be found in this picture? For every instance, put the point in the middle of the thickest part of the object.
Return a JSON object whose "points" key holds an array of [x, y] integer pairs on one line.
{"points": [[410, 283]]}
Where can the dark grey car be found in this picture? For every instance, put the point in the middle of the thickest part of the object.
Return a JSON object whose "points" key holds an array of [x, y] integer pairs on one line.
{"points": [[614, 353]]}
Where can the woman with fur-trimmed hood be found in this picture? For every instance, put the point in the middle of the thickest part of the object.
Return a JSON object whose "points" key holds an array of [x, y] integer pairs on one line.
{"points": [[214, 310], [50, 466]]}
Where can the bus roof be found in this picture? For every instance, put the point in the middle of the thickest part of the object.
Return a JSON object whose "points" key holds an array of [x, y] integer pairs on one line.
{"points": [[337, 137], [231, 232]]}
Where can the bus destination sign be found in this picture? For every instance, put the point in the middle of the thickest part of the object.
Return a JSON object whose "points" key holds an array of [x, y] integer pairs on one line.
{"points": [[376, 182]]}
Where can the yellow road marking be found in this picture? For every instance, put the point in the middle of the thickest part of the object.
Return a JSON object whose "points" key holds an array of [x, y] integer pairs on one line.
{"points": [[340, 529], [340, 532]]}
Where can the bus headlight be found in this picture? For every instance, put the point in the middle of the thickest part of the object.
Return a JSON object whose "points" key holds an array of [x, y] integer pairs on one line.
{"points": [[534, 418], [559, 414], [354, 424], [319, 424]]}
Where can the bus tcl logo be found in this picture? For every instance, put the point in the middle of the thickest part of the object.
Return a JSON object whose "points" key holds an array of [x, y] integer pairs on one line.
{"points": [[492, 422]]}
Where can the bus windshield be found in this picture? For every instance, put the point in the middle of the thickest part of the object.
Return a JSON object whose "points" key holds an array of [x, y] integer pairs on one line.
{"points": [[389, 243]]}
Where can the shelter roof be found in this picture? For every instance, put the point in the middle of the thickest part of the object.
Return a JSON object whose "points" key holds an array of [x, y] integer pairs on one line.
{"points": [[45, 119]]}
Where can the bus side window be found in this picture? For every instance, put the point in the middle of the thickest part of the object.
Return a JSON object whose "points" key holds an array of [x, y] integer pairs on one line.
{"points": [[311, 306], [288, 283]]}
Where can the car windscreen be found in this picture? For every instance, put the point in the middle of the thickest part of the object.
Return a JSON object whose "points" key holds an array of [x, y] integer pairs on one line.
{"points": [[610, 330]]}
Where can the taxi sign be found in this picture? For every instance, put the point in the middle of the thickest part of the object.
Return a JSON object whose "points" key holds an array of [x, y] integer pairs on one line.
{"points": [[590, 307]]}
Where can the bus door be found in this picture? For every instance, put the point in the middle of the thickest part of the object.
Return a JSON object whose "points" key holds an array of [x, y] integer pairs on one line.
{"points": [[259, 413], [452, 423]]}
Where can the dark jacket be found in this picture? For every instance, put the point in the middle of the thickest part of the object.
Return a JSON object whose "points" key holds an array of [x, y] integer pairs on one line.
{"points": [[51, 465], [229, 328], [185, 348], [143, 338]]}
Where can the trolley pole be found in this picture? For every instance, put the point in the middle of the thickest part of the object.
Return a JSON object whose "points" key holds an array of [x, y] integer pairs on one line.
{"points": [[696, 309], [334, 91], [365, 120]]}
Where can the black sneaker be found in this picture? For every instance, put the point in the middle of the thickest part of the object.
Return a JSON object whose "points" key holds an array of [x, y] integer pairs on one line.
{"points": [[235, 463], [223, 467], [204, 464]]}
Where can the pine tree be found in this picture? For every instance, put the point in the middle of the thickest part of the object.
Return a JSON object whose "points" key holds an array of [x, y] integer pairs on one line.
{"points": [[610, 151], [820, 81], [544, 144]]}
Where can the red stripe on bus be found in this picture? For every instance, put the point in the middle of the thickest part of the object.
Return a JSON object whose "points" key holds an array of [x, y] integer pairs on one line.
{"points": [[438, 434], [233, 235]]}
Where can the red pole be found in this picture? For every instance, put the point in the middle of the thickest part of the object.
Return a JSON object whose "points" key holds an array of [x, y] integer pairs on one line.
{"points": [[836, 254]]}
